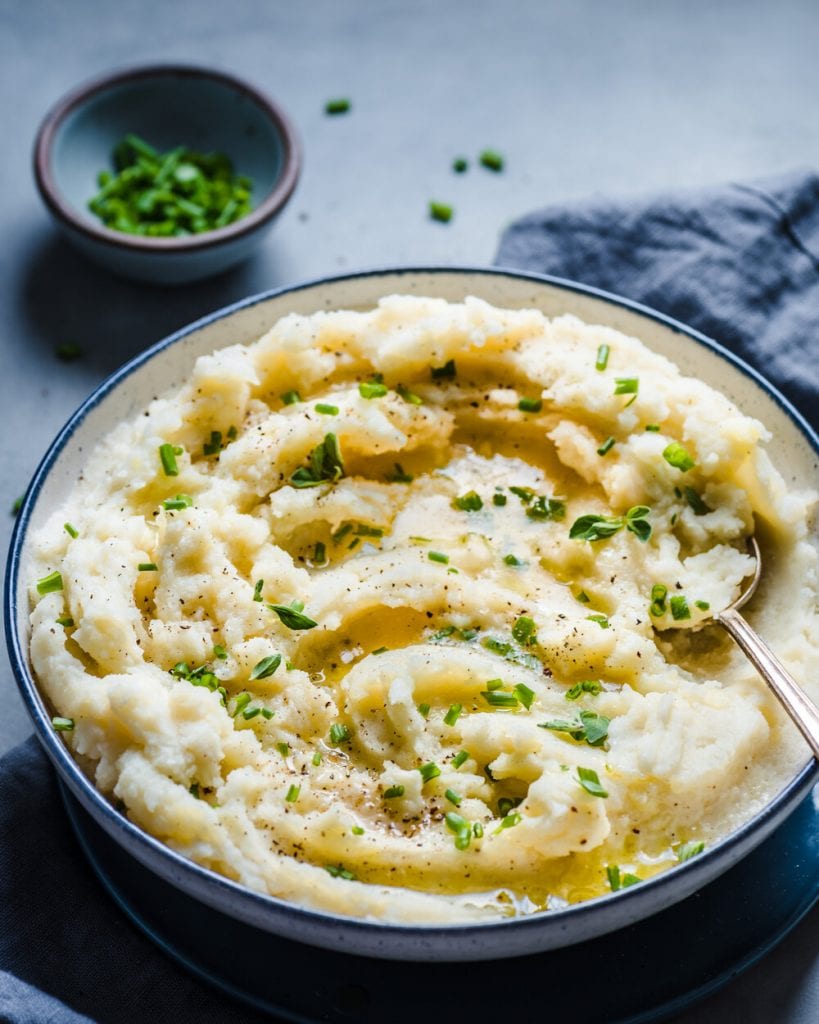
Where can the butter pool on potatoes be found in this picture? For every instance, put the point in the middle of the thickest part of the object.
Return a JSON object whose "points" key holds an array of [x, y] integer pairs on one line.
{"points": [[390, 759]]}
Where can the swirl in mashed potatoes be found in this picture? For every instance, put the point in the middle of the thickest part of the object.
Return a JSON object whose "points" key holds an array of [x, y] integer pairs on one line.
{"points": [[395, 612]]}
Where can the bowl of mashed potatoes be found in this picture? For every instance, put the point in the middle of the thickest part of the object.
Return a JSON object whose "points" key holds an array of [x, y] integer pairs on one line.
{"points": [[375, 612]]}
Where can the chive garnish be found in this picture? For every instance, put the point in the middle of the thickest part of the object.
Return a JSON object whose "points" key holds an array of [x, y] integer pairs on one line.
{"points": [[601, 620], [70, 530], [685, 851], [391, 792], [511, 560], [436, 556], [147, 567], [372, 389], [399, 476], [653, 428], [16, 505], [659, 592], [339, 734], [179, 502], [491, 159], [316, 758], [240, 702], [325, 409], [62, 724], [627, 386], [606, 446], [50, 584], [477, 830], [266, 713], [292, 618], [589, 727], [508, 821], [695, 502], [445, 372], [524, 631], [325, 464], [703, 606], [319, 553], [599, 527], [293, 794], [499, 500], [461, 827], [340, 105], [429, 771], [602, 360], [590, 686], [409, 396], [460, 758], [250, 713], [459, 165], [258, 586], [496, 699], [524, 695], [524, 493], [283, 749], [590, 781], [423, 710], [68, 351], [494, 684], [266, 667], [337, 871], [677, 456], [582, 597], [440, 211], [453, 797], [65, 620], [452, 716], [220, 652], [357, 830], [679, 607], [544, 508], [617, 881], [380, 650], [167, 456], [469, 502], [530, 404]]}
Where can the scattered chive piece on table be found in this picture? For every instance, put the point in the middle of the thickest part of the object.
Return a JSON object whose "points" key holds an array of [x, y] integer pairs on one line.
{"points": [[436, 556], [293, 794], [17, 504], [606, 446], [460, 758], [459, 165], [491, 159], [62, 724], [70, 530], [340, 105], [147, 567], [530, 404], [167, 456], [266, 667], [677, 456], [174, 194], [440, 211], [393, 791], [50, 584], [602, 360], [68, 351], [290, 397]]}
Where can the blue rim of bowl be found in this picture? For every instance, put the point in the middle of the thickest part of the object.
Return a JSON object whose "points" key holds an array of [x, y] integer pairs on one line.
{"points": [[272, 203], [79, 783]]}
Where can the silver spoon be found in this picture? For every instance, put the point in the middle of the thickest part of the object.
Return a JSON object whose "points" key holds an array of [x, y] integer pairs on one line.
{"points": [[803, 711]]}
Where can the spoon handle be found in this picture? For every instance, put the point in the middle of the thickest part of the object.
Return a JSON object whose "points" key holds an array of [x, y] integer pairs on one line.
{"points": [[801, 709]]}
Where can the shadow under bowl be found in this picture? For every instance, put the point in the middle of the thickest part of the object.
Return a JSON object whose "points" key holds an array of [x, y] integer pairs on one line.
{"points": [[168, 106]]}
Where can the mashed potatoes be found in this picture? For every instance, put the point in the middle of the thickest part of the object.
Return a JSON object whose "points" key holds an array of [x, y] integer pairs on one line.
{"points": [[395, 613]]}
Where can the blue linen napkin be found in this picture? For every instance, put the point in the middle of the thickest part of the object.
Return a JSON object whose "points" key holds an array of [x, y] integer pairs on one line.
{"points": [[738, 262]]}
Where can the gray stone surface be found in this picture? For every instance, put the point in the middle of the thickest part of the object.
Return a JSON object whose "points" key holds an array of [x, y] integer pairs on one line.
{"points": [[582, 97]]}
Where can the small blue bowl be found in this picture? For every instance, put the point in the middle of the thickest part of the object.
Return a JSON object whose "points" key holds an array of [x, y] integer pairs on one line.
{"points": [[168, 106]]}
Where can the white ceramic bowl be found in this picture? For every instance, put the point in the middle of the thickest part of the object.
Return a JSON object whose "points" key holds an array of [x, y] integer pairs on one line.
{"points": [[165, 366]]}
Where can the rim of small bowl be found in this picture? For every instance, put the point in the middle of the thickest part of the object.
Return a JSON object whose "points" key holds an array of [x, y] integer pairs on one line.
{"points": [[79, 783], [49, 188]]}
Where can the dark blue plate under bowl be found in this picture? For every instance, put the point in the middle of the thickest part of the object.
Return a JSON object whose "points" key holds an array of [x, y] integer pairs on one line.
{"points": [[643, 972]]}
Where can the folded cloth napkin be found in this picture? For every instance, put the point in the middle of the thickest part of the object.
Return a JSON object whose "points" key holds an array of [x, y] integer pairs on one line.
{"points": [[738, 262]]}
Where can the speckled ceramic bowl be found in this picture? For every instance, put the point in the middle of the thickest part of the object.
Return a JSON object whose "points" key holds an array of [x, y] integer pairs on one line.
{"points": [[794, 449], [169, 106]]}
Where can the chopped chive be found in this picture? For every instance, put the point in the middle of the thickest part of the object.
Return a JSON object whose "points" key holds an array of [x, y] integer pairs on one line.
{"points": [[292, 618], [477, 830], [524, 631], [62, 724], [380, 650], [220, 652], [677, 456], [319, 553], [491, 159], [459, 165], [16, 505], [316, 758], [423, 710], [179, 502], [685, 851], [445, 372], [293, 794], [452, 716], [524, 493], [68, 351], [283, 749], [290, 397], [590, 781], [460, 826], [250, 713], [627, 386], [524, 695], [357, 830], [267, 713], [659, 592], [409, 396], [496, 699], [590, 686], [582, 597], [469, 502], [702, 605], [193, 789], [512, 560], [391, 792], [341, 533], [65, 620], [679, 607], [258, 586], [509, 821], [436, 556], [494, 684], [453, 797], [337, 106], [653, 428], [399, 476], [460, 758], [70, 530], [606, 446], [240, 702], [602, 360], [530, 404], [440, 211], [544, 508], [167, 456], [499, 500], [325, 409], [695, 502], [601, 620], [50, 584], [266, 667], [339, 734], [429, 771], [147, 567], [372, 389]]}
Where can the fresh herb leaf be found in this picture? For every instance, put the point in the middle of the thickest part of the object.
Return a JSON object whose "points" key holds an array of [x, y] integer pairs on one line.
{"points": [[291, 618], [326, 464], [695, 502], [590, 781], [266, 667], [544, 508]]}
